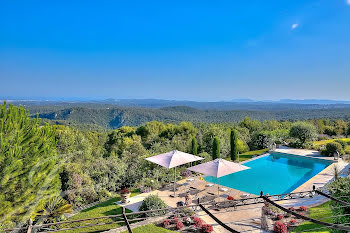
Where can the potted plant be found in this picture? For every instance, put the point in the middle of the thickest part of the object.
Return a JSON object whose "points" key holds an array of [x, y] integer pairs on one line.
{"points": [[125, 195]]}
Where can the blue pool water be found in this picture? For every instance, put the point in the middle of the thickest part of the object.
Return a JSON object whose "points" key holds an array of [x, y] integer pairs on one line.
{"points": [[274, 174]]}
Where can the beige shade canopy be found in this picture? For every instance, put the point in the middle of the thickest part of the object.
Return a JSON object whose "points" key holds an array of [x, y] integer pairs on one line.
{"points": [[218, 168], [173, 159]]}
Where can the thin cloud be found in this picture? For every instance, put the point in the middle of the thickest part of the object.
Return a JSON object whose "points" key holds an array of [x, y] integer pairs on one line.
{"points": [[348, 2], [295, 25]]}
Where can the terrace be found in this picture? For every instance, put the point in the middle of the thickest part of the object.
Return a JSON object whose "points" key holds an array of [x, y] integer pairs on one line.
{"points": [[237, 217]]}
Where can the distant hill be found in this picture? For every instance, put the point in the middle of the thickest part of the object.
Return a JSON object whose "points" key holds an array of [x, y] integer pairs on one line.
{"points": [[111, 116]]}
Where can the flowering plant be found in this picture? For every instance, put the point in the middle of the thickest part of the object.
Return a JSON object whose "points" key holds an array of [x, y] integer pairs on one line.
{"points": [[174, 220], [166, 223], [291, 208], [207, 228], [302, 208], [292, 221], [125, 191], [279, 227], [198, 222], [279, 216], [179, 225]]}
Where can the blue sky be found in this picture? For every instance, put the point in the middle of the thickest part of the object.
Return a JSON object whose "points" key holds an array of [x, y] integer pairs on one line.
{"points": [[183, 49]]}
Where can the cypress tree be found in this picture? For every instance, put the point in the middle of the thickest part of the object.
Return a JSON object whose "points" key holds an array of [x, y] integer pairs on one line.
{"points": [[28, 165], [216, 148], [234, 145], [194, 146]]}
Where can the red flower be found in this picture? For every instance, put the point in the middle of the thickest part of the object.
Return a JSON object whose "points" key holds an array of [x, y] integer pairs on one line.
{"points": [[291, 208], [230, 198], [125, 191], [198, 222], [302, 208], [279, 227], [174, 220], [207, 228], [179, 225], [292, 221], [166, 223], [280, 216]]}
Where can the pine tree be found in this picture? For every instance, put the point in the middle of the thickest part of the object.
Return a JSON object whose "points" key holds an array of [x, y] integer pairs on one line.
{"points": [[216, 148], [234, 145], [194, 146], [28, 165]]}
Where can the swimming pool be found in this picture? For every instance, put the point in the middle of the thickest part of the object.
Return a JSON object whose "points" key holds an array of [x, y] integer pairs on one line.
{"points": [[274, 174]]}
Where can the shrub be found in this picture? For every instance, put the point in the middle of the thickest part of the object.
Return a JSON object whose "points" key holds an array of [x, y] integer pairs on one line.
{"points": [[302, 208], [279, 227], [153, 202], [332, 147], [207, 228], [291, 208], [342, 143], [166, 223], [279, 216], [292, 221], [186, 212], [179, 225], [174, 220], [198, 222], [125, 191]]}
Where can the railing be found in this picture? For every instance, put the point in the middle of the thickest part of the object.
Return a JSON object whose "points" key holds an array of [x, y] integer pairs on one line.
{"points": [[126, 219]]}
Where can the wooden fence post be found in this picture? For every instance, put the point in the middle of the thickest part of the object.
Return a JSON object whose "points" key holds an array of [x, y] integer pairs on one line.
{"points": [[126, 220], [30, 226]]}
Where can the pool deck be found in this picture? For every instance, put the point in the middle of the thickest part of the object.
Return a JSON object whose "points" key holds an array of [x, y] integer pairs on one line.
{"points": [[253, 213]]}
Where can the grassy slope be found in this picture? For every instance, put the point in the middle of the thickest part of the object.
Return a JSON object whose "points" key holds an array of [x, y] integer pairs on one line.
{"points": [[250, 154], [150, 228], [317, 212], [102, 209], [324, 142]]}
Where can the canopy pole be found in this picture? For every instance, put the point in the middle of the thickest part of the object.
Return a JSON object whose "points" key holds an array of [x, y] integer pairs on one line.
{"points": [[174, 180], [218, 187]]}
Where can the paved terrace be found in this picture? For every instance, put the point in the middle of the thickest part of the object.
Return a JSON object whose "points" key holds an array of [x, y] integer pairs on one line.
{"points": [[252, 212]]}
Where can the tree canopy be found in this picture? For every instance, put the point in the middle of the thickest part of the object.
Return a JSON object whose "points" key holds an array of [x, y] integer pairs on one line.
{"points": [[29, 169]]}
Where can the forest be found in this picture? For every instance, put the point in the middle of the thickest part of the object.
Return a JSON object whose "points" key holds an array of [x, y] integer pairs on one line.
{"points": [[102, 116], [40, 162]]}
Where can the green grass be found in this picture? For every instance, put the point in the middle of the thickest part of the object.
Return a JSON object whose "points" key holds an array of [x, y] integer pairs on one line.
{"points": [[102, 209], [317, 212], [150, 228], [324, 142], [250, 154]]}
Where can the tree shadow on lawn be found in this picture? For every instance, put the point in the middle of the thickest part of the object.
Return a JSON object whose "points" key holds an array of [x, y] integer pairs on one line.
{"points": [[107, 203]]}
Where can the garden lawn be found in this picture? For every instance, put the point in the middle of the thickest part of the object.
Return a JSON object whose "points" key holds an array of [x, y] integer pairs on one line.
{"points": [[102, 209], [250, 154], [150, 228], [324, 142], [317, 212]]}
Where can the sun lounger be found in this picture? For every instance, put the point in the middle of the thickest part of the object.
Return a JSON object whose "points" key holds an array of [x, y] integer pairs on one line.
{"points": [[223, 189], [224, 205], [205, 199], [245, 195], [192, 192], [209, 185]]}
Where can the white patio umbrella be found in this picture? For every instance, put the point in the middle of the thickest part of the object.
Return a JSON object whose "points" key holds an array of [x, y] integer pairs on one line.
{"points": [[218, 168], [173, 159]]}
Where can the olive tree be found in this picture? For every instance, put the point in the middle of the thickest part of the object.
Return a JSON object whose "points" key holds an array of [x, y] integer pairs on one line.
{"points": [[303, 131]]}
